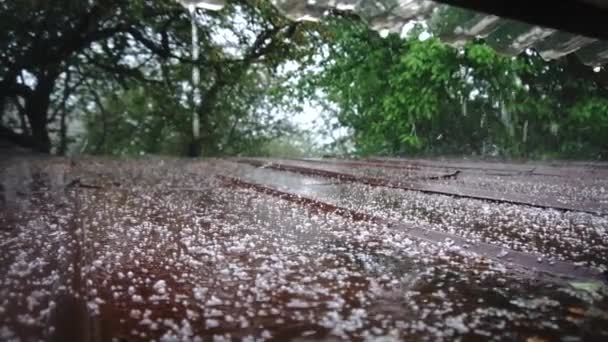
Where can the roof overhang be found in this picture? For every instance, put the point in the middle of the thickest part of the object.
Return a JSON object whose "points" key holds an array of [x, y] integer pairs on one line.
{"points": [[553, 28]]}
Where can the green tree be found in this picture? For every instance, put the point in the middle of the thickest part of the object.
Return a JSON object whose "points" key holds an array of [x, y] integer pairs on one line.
{"points": [[104, 58], [404, 95]]}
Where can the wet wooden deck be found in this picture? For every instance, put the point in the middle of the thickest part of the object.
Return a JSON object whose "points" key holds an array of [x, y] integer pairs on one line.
{"points": [[170, 249]]}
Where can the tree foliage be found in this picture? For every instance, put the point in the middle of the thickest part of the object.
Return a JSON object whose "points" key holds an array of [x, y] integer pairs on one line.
{"points": [[123, 68], [406, 95]]}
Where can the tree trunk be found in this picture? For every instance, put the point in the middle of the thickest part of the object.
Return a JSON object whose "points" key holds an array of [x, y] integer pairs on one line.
{"points": [[63, 134], [194, 148], [37, 105], [40, 133], [203, 112], [2, 106]]}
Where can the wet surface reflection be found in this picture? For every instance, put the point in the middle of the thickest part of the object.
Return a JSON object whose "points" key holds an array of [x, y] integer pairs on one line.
{"points": [[163, 249], [553, 235]]}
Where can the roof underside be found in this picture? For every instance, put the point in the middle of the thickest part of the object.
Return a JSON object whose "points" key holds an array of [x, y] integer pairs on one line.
{"points": [[457, 25]]}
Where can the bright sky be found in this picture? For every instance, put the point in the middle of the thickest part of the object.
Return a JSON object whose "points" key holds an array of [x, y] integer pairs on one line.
{"points": [[305, 118]]}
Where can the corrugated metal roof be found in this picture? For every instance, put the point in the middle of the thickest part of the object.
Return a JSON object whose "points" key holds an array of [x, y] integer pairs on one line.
{"points": [[456, 26]]}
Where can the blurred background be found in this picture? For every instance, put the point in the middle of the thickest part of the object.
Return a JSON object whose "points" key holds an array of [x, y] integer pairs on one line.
{"points": [[291, 78]]}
